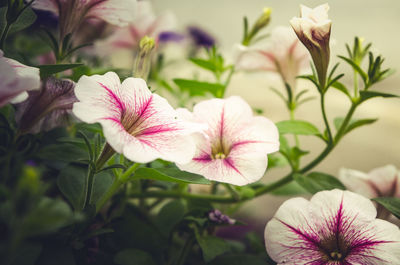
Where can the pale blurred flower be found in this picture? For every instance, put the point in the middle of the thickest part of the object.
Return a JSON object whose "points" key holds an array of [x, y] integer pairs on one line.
{"points": [[217, 217], [234, 148], [380, 182], [283, 54], [313, 28], [334, 227], [48, 107], [137, 123], [72, 13], [16, 79], [146, 23]]}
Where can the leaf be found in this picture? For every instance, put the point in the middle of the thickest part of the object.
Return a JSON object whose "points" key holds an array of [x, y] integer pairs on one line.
{"points": [[290, 189], [171, 175], [297, 127], [133, 256], [317, 181], [240, 259], [365, 95], [170, 215], [47, 70], [357, 68], [47, 217], [353, 123], [198, 88], [206, 64], [102, 182], [72, 182], [390, 204], [342, 88], [26, 19], [276, 160], [212, 246]]}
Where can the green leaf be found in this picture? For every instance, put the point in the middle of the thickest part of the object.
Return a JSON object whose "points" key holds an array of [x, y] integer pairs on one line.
{"points": [[72, 182], [198, 88], [290, 189], [297, 127], [133, 256], [206, 64], [317, 181], [353, 123], [47, 70], [390, 204], [240, 259], [171, 175], [357, 68], [102, 182], [26, 19], [365, 95], [276, 160], [47, 217], [212, 246], [339, 86], [170, 215]]}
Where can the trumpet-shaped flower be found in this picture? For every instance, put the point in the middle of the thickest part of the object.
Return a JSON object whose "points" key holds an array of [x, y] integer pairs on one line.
{"points": [[16, 79], [48, 107], [313, 28], [380, 182], [137, 123], [144, 24], [234, 148], [73, 12], [283, 54], [334, 228]]}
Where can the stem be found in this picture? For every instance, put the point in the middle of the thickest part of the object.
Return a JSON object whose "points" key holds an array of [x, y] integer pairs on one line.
{"points": [[292, 118], [4, 35], [355, 84], [89, 185], [328, 129], [118, 182], [186, 250]]}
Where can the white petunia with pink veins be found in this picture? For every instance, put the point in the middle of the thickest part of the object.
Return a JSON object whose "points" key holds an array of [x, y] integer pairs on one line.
{"points": [[334, 228], [16, 79], [137, 123], [235, 146]]}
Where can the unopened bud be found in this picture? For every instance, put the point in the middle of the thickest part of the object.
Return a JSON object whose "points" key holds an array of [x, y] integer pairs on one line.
{"points": [[260, 23], [143, 59]]}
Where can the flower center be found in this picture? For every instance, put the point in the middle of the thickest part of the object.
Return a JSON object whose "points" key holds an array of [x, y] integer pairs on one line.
{"points": [[220, 150], [335, 255], [334, 248], [219, 156]]}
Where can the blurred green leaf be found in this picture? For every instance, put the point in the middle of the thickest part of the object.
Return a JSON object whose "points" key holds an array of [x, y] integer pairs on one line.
{"points": [[297, 127], [206, 64], [317, 181], [371, 94], [133, 256], [72, 182], [47, 70], [212, 246], [353, 124], [339, 86], [241, 259], [198, 88], [102, 182], [170, 215], [276, 160], [390, 204], [26, 19], [170, 174], [356, 68], [290, 189]]}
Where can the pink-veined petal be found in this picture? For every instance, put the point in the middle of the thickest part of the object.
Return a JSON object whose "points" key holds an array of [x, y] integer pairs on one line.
{"points": [[116, 12], [357, 181], [47, 5]]}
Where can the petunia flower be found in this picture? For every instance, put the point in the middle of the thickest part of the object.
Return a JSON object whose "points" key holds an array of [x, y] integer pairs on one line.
{"points": [[16, 79], [48, 107], [72, 13], [136, 123], [217, 217], [313, 28], [380, 182], [146, 23], [200, 37], [234, 148], [334, 228], [283, 54]]}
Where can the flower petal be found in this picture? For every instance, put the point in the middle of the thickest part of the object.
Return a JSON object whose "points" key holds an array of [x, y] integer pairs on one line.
{"points": [[116, 12]]}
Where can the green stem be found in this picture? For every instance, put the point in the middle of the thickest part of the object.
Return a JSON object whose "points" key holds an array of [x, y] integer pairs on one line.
{"points": [[328, 129], [118, 182], [4, 35], [89, 185], [292, 118], [355, 84], [186, 250]]}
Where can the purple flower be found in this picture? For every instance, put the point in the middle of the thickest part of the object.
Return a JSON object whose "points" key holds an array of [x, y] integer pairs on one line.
{"points": [[200, 37], [48, 107], [217, 217], [170, 36], [334, 228]]}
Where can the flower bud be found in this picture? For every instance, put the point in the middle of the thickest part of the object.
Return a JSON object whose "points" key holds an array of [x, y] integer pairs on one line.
{"points": [[313, 28], [143, 59], [261, 23]]}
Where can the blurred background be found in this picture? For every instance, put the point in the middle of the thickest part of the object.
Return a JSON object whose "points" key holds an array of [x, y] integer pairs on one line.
{"points": [[372, 146]]}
